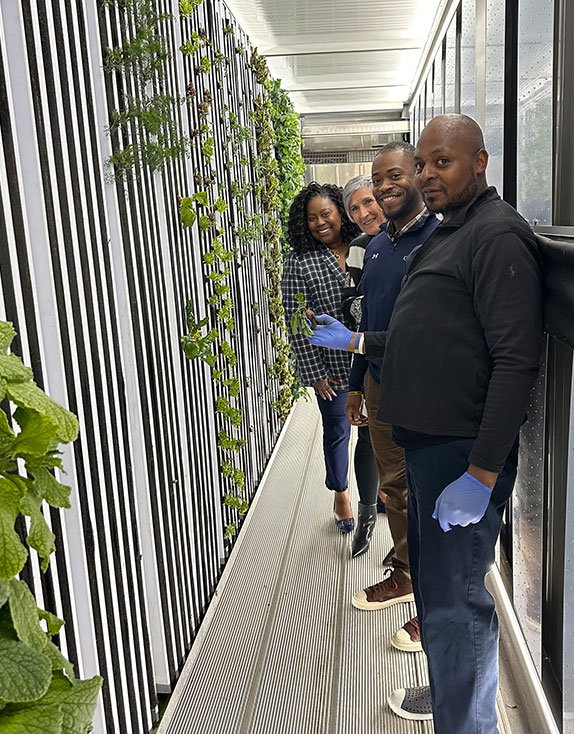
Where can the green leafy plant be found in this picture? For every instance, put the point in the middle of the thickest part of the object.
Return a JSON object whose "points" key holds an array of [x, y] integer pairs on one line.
{"points": [[223, 405], [220, 205], [259, 67], [38, 687], [192, 45], [207, 147], [288, 145], [150, 132], [144, 52], [299, 321], [187, 213], [204, 66], [186, 7], [195, 343]]}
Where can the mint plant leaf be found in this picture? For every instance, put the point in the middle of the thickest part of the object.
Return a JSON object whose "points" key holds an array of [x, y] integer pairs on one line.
{"points": [[25, 615], [7, 631], [187, 214], [37, 434], [4, 592], [77, 701], [13, 555], [7, 435], [25, 673], [29, 395], [7, 334], [202, 198], [12, 369], [59, 662], [40, 537], [33, 720], [53, 623], [54, 492]]}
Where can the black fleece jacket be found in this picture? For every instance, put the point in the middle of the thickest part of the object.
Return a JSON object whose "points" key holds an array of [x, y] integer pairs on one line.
{"points": [[463, 346]]}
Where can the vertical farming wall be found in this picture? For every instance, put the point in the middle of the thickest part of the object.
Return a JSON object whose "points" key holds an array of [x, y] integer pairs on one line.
{"points": [[98, 261]]}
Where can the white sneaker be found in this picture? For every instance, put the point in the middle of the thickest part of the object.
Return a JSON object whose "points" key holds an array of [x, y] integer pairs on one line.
{"points": [[413, 704], [408, 638]]}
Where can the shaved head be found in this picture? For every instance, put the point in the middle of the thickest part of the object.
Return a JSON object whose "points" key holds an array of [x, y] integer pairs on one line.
{"points": [[460, 127], [450, 163]]}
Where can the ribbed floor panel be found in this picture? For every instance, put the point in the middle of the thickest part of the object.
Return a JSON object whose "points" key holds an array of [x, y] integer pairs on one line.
{"points": [[284, 651]]}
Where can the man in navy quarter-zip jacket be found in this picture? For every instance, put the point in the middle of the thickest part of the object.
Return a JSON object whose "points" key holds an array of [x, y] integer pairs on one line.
{"points": [[408, 226], [460, 357]]}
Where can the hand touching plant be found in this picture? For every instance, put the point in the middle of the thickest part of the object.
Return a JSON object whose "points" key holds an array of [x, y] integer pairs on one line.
{"points": [[300, 321]]}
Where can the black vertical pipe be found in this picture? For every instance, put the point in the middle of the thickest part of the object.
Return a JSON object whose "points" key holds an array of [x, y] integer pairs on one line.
{"points": [[510, 102], [563, 115]]}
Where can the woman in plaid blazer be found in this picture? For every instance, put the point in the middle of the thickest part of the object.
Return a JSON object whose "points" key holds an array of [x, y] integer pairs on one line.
{"points": [[319, 233]]}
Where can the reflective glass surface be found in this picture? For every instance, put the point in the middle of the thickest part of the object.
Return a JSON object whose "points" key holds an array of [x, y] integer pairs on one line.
{"points": [[535, 35], [527, 525], [438, 83], [494, 124], [450, 67], [467, 58]]}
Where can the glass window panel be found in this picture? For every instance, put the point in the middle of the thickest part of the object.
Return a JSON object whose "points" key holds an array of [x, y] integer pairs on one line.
{"points": [[450, 68], [420, 116], [467, 55], [534, 184], [494, 123], [438, 82], [430, 94], [527, 525]]}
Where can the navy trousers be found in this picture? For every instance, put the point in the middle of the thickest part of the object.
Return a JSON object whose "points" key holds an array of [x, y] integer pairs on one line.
{"points": [[336, 434], [459, 627]]}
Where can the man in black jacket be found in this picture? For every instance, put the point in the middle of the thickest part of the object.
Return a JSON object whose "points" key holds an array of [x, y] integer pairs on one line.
{"points": [[460, 357]]}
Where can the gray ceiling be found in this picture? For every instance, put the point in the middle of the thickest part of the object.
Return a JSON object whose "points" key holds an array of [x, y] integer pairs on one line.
{"points": [[341, 55]]}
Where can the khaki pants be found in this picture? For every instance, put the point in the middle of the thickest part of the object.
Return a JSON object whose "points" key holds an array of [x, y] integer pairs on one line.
{"points": [[391, 464]]}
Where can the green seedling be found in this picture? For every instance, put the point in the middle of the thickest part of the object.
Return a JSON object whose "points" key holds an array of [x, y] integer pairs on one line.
{"points": [[299, 320]]}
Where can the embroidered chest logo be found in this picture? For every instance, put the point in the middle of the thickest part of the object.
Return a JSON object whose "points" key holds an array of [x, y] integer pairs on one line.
{"points": [[374, 255]]}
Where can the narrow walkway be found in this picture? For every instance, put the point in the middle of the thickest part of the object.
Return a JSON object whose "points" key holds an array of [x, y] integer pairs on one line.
{"points": [[282, 650]]}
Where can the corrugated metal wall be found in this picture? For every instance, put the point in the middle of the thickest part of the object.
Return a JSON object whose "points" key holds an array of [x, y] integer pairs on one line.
{"points": [[95, 276]]}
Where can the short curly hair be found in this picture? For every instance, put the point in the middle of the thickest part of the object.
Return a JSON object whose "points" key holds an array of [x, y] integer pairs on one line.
{"points": [[298, 236]]}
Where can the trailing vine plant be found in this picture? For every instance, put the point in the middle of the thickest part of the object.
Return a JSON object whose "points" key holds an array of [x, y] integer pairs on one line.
{"points": [[253, 225], [211, 339], [144, 130], [282, 169], [38, 688], [288, 145]]}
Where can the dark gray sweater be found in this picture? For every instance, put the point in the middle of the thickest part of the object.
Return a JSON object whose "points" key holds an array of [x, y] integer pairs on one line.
{"points": [[463, 346]]}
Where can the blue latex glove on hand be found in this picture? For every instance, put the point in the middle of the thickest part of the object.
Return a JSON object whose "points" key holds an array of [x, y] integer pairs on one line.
{"points": [[462, 502], [331, 333]]}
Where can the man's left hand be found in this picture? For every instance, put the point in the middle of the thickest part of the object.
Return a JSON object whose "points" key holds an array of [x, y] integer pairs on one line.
{"points": [[462, 502], [331, 334]]}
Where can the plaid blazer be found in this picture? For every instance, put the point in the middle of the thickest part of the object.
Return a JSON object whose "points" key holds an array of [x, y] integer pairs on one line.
{"points": [[319, 278]]}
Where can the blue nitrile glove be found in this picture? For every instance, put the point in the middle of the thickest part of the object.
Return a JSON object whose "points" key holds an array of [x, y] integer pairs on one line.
{"points": [[462, 502], [330, 333]]}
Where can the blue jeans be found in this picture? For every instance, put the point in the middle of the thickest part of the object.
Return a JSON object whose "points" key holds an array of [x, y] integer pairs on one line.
{"points": [[336, 434], [459, 627]]}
